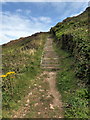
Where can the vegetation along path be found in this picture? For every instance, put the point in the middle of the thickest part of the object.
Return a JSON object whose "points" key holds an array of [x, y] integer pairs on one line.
{"points": [[43, 100]]}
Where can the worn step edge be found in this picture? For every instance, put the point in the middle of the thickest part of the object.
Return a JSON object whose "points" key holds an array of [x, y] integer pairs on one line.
{"points": [[50, 68], [49, 58], [51, 65]]}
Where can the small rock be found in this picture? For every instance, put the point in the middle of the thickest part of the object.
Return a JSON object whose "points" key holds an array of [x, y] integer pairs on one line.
{"points": [[24, 114], [39, 113], [30, 93], [43, 95], [51, 107], [35, 84], [39, 86], [19, 101], [35, 104], [15, 116], [59, 117], [26, 104], [28, 101], [41, 90], [48, 96]]}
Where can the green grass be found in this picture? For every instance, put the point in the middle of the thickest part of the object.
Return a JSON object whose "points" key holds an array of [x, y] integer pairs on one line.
{"points": [[74, 92], [72, 35], [22, 83], [26, 67], [73, 47]]}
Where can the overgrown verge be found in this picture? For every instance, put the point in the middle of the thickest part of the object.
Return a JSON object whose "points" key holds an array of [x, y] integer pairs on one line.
{"points": [[74, 92], [21, 63], [73, 47], [72, 36]]}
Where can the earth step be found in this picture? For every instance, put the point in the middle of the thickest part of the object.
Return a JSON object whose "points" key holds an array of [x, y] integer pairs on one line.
{"points": [[49, 53], [50, 62], [48, 48], [51, 68], [50, 65], [50, 58]]}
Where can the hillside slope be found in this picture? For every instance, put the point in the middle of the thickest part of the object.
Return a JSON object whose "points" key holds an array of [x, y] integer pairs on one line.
{"points": [[15, 52], [71, 41], [20, 64], [72, 35]]}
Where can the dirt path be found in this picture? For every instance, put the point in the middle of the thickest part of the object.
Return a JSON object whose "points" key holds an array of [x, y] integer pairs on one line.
{"points": [[50, 64], [43, 99], [49, 59], [53, 91]]}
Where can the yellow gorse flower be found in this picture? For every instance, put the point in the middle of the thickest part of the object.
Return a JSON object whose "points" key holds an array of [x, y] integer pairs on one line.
{"points": [[7, 74], [3, 75], [10, 73]]}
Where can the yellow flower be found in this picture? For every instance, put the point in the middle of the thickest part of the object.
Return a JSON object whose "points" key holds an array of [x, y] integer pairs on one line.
{"points": [[3, 75], [10, 73], [7, 74]]}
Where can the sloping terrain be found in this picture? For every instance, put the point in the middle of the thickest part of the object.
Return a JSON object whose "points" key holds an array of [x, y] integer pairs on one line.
{"points": [[21, 63], [43, 99], [71, 38], [32, 67], [30, 92], [49, 59]]}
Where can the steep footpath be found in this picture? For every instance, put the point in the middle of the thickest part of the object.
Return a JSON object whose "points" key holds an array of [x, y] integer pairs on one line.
{"points": [[43, 99], [50, 64], [49, 60], [29, 87]]}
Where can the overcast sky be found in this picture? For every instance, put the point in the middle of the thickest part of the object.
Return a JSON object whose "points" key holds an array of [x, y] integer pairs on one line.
{"points": [[20, 19]]}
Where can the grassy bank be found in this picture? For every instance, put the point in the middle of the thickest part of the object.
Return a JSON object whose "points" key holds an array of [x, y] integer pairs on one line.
{"points": [[22, 58], [72, 36], [73, 47], [73, 90]]}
